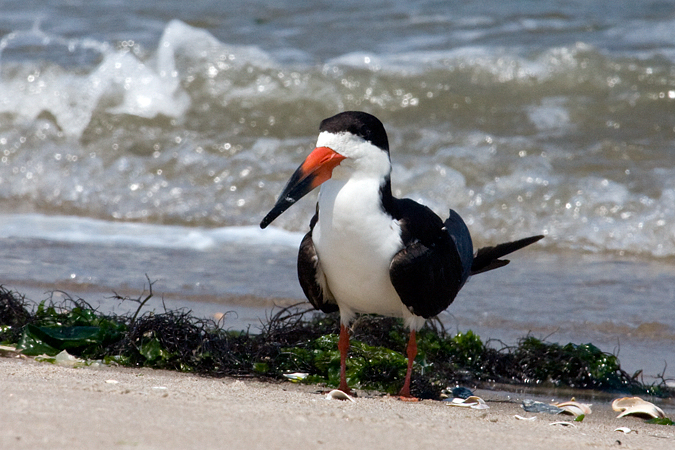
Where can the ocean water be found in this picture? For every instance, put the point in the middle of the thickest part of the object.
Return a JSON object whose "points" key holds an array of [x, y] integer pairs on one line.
{"points": [[150, 139]]}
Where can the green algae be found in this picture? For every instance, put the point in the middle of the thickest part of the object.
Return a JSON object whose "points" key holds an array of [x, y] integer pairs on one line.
{"points": [[661, 421], [368, 367]]}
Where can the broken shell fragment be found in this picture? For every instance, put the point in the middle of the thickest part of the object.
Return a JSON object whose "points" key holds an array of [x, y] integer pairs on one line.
{"points": [[472, 402], [625, 430], [574, 407], [296, 377], [563, 424], [637, 407], [337, 394], [519, 417], [7, 350]]}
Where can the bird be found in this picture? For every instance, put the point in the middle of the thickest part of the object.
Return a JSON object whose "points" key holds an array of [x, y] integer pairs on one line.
{"points": [[368, 252]]}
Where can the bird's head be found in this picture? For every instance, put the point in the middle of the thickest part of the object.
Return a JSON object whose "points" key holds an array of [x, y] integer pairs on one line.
{"points": [[351, 143]]}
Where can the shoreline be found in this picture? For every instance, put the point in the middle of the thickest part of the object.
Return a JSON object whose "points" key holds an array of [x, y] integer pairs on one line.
{"points": [[52, 406]]}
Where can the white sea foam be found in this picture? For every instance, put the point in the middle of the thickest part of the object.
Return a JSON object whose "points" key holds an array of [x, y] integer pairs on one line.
{"points": [[92, 231], [135, 87], [550, 116], [503, 64], [121, 82]]}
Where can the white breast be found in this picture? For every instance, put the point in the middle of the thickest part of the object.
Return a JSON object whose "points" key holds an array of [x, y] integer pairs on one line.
{"points": [[355, 241]]}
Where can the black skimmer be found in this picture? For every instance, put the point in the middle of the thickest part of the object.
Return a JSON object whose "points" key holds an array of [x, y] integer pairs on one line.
{"points": [[369, 252]]}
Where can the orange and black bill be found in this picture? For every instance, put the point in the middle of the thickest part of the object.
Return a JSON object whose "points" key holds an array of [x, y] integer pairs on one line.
{"points": [[316, 169]]}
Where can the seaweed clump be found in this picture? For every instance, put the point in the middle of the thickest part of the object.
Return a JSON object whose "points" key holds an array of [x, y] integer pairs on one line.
{"points": [[13, 315], [296, 340]]}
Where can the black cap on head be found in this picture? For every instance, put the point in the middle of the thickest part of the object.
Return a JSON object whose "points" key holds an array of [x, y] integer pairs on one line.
{"points": [[359, 124]]}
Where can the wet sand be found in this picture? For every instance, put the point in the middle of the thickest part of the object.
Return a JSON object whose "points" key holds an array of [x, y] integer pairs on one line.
{"points": [[44, 406]]}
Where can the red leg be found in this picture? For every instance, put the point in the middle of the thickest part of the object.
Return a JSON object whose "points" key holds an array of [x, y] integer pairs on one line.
{"points": [[343, 346], [412, 352]]}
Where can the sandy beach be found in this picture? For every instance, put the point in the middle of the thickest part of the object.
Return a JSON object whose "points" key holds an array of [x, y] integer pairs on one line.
{"points": [[46, 406]]}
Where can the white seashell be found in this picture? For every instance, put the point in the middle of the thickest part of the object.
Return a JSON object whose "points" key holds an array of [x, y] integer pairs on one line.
{"points": [[637, 407], [519, 417], [574, 407], [564, 424], [625, 430], [111, 381], [472, 402], [337, 394]]}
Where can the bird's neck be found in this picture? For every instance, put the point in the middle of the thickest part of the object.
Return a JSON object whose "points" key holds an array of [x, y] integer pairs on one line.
{"points": [[352, 203]]}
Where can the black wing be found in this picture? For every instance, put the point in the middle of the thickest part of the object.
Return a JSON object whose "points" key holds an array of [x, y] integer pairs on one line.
{"points": [[311, 277], [487, 258], [432, 266], [460, 235]]}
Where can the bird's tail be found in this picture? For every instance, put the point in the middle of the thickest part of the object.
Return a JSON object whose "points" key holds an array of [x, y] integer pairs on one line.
{"points": [[487, 258]]}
